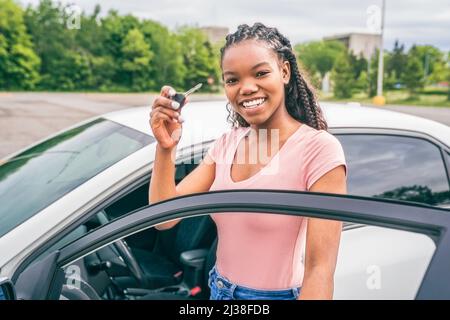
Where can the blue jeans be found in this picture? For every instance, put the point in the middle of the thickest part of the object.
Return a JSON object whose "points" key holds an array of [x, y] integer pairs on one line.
{"points": [[224, 289]]}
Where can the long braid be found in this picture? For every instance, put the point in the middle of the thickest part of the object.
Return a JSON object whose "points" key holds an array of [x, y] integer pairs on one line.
{"points": [[301, 101]]}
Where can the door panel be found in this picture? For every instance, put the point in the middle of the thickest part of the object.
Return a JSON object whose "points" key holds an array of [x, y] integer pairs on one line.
{"points": [[426, 224], [373, 262]]}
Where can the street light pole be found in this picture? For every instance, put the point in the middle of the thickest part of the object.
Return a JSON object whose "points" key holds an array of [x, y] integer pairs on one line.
{"points": [[379, 99]]}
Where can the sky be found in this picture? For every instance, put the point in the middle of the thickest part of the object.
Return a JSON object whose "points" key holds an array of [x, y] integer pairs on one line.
{"points": [[409, 21]]}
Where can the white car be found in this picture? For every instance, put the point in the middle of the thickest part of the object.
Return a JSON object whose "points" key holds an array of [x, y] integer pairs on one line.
{"points": [[55, 191]]}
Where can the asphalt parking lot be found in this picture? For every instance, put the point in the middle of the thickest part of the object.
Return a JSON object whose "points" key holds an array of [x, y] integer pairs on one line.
{"points": [[28, 117]]}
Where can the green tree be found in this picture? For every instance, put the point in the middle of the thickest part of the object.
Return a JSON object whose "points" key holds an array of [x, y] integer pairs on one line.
{"points": [[167, 63], [343, 77], [136, 55], [72, 72], [440, 70], [19, 63], [103, 71], [199, 57], [52, 41], [91, 36], [373, 74], [431, 59], [358, 63], [362, 82], [396, 61], [413, 75], [116, 28], [390, 81], [90, 43], [319, 56]]}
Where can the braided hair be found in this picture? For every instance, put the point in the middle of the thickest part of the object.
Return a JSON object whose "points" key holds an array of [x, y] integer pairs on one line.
{"points": [[301, 101]]}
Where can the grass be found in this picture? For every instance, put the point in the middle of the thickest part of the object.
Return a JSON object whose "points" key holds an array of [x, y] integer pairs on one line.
{"points": [[429, 97]]}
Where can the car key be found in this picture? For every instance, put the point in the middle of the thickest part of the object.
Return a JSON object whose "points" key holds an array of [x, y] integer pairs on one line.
{"points": [[181, 97]]}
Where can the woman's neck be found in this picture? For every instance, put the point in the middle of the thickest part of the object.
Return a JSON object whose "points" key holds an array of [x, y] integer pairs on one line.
{"points": [[283, 122]]}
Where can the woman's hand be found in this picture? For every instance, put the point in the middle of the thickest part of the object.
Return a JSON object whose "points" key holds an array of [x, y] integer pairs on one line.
{"points": [[165, 119]]}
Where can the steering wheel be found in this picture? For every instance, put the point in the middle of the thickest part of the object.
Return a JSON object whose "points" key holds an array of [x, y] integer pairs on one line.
{"points": [[136, 271], [125, 253]]}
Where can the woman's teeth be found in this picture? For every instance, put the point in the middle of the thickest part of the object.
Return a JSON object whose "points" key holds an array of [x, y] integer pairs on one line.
{"points": [[254, 103]]}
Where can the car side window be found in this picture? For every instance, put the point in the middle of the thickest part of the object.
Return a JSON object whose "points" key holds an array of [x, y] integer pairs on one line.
{"points": [[131, 201], [395, 167]]}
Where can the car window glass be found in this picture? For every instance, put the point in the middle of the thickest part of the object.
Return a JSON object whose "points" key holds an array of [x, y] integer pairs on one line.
{"points": [[373, 262], [129, 202], [42, 174], [395, 167], [138, 198]]}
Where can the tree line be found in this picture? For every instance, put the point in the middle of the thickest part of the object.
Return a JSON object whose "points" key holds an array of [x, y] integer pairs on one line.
{"points": [[49, 47], [421, 65]]}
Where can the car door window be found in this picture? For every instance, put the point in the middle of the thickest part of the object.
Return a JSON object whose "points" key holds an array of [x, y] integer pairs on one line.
{"points": [[395, 167], [135, 199], [138, 198], [373, 262]]}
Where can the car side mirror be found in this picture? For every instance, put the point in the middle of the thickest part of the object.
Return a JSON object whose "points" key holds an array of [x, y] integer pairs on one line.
{"points": [[7, 290]]}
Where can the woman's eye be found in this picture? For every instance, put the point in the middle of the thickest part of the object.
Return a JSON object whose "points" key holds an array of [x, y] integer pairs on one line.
{"points": [[230, 81], [261, 73]]}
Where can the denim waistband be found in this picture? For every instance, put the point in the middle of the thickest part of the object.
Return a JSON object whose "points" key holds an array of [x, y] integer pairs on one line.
{"points": [[224, 287]]}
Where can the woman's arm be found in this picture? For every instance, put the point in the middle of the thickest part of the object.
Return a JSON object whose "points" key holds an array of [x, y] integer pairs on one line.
{"points": [[162, 183], [322, 242], [167, 127]]}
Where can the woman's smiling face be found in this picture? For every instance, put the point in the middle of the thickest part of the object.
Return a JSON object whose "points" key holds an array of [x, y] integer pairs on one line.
{"points": [[254, 80]]}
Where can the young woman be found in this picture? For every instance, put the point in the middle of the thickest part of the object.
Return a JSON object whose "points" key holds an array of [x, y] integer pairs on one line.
{"points": [[259, 255]]}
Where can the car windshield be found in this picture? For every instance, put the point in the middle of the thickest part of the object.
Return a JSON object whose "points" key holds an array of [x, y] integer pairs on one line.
{"points": [[35, 178]]}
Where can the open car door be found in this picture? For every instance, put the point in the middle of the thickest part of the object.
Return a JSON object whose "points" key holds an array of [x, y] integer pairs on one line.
{"points": [[425, 228]]}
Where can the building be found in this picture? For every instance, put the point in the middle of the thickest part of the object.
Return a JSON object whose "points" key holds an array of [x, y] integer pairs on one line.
{"points": [[365, 43], [215, 34]]}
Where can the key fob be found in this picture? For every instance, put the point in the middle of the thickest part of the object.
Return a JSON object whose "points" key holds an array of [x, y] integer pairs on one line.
{"points": [[180, 98]]}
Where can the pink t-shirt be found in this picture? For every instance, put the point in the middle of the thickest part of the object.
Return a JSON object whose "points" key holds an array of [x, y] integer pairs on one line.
{"points": [[264, 251]]}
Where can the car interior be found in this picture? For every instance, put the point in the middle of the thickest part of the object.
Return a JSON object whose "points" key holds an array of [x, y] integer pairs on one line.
{"points": [[152, 264]]}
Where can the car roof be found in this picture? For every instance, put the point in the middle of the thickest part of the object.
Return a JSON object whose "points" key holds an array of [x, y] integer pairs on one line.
{"points": [[208, 119]]}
